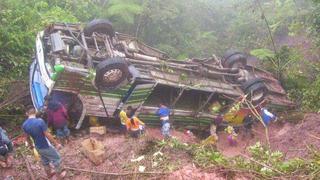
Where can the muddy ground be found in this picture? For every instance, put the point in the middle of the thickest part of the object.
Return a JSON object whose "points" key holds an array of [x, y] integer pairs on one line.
{"points": [[295, 140]]}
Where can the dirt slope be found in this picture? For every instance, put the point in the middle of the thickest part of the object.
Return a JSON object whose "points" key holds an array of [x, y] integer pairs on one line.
{"points": [[293, 140]]}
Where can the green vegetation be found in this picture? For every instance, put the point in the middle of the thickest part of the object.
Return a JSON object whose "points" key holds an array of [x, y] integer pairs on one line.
{"points": [[262, 163], [184, 29], [192, 28]]}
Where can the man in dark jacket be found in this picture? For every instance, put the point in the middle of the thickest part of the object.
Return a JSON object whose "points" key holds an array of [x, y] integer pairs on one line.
{"points": [[6, 149], [247, 124], [57, 117]]}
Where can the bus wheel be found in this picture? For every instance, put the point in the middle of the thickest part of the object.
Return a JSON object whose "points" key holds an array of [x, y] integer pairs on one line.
{"points": [[99, 26], [111, 73]]}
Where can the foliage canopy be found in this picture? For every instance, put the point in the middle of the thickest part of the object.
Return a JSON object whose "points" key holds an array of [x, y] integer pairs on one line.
{"points": [[183, 28]]}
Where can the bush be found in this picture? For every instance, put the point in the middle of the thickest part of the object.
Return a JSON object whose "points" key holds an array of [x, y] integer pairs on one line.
{"points": [[311, 96]]}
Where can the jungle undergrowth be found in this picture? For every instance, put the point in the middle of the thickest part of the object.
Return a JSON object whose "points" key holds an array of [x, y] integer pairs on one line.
{"points": [[261, 162]]}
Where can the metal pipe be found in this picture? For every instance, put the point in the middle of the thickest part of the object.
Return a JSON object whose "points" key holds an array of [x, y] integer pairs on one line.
{"points": [[89, 59], [149, 58], [108, 47], [95, 41], [101, 99], [204, 104]]}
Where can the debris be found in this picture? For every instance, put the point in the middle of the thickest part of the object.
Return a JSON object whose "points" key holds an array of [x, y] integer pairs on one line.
{"points": [[188, 132], [9, 178], [155, 164], [94, 150], [113, 174], [19, 140], [142, 168], [316, 137], [101, 130], [137, 159], [93, 121], [158, 153]]}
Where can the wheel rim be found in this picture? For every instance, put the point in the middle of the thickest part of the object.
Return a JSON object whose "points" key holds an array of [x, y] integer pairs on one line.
{"points": [[243, 75], [256, 95], [112, 75]]}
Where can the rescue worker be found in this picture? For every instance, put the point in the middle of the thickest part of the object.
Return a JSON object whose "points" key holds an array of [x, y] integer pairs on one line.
{"points": [[164, 112], [247, 124], [6, 148], [232, 136], [57, 117], [267, 116], [124, 118], [37, 129], [134, 125], [213, 138]]}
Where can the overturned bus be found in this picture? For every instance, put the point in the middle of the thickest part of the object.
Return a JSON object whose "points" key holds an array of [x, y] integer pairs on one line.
{"points": [[95, 71]]}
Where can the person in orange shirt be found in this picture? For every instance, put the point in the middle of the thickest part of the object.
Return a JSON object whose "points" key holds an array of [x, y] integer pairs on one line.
{"points": [[134, 125]]}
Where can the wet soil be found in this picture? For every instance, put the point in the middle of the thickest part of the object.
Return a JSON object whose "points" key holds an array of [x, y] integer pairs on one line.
{"points": [[295, 140]]}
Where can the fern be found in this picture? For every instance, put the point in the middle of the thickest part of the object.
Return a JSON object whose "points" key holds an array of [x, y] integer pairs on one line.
{"points": [[263, 53]]}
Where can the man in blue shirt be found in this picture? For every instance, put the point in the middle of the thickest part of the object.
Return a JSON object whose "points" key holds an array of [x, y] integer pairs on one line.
{"points": [[37, 129], [267, 116], [164, 112]]}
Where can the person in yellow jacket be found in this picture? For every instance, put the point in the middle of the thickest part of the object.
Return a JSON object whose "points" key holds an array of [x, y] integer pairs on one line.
{"points": [[124, 118], [135, 126]]}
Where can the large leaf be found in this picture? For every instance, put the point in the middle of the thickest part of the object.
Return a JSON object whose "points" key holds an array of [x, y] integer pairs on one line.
{"points": [[262, 53]]}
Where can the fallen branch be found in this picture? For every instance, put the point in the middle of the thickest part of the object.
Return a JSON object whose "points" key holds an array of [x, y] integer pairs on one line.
{"points": [[258, 132], [29, 168], [310, 149], [311, 135], [262, 164], [112, 174], [258, 116], [14, 99]]}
